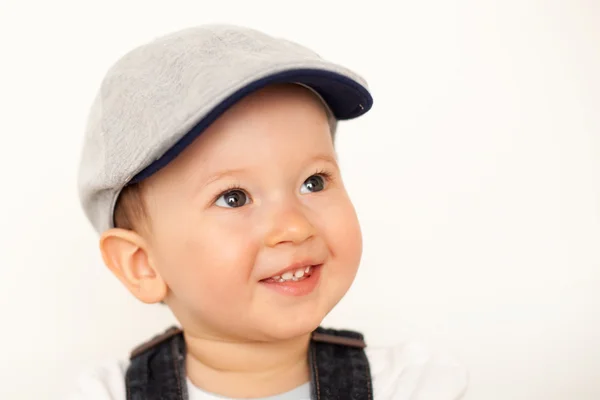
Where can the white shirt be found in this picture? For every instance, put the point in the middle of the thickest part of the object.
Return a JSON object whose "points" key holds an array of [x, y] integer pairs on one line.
{"points": [[407, 372]]}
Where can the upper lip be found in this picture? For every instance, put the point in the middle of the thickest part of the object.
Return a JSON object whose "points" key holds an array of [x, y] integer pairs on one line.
{"points": [[296, 265]]}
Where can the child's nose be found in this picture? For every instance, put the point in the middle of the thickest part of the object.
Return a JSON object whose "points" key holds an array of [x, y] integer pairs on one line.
{"points": [[289, 226]]}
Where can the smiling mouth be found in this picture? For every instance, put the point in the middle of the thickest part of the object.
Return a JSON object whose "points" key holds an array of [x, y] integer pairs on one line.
{"points": [[296, 275]]}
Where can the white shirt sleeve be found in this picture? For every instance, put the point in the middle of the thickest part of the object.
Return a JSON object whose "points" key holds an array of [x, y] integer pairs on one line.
{"points": [[411, 372], [105, 382]]}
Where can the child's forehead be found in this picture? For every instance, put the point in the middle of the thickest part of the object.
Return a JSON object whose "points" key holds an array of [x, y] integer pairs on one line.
{"points": [[273, 129], [281, 100], [268, 115]]}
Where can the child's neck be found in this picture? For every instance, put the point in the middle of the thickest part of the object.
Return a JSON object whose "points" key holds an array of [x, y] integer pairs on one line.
{"points": [[247, 369]]}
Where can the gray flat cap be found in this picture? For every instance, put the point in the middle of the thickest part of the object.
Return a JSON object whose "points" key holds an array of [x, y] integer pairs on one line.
{"points": [[160, 96]]}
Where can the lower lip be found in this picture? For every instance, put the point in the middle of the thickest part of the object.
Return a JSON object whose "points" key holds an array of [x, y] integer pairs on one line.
{"points": [[298, 288]]}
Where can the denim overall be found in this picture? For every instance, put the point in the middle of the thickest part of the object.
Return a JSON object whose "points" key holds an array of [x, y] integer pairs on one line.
{"points": [[339, 369]]}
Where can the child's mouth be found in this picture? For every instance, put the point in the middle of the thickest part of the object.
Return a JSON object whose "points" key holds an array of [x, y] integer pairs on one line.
{"points": [[299, 282], [291, 276]]}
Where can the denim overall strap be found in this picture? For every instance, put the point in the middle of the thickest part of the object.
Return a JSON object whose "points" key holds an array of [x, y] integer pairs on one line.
{"points": [[157, 369], [339, 368]]}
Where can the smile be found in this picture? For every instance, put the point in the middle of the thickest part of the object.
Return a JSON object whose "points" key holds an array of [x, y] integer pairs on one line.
{"points": [[298, 282], [294, 276]]}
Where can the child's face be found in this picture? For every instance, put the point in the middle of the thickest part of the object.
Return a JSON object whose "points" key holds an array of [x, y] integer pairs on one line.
{"points": [[257, 192]]}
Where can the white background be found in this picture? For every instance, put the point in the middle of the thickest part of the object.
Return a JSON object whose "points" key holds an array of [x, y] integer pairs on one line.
{"points": [[476, 177]]}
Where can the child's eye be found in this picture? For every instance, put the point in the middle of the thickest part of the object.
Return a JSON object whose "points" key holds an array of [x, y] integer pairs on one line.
{"points": [[314, 183], [232, 199]]}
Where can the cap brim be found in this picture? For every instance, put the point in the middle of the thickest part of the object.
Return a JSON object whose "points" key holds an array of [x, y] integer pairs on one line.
{"points": [[346, 98]]}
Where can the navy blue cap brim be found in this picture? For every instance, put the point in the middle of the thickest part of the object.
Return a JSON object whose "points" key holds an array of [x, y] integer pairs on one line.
{"points": [[345, 97]]}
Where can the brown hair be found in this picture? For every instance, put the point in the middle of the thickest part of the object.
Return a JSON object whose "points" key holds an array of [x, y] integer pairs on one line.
{"points": [[129, 210]]}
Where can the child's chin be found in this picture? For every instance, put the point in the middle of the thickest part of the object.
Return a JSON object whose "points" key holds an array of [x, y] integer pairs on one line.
{"points": [[289, 328]]}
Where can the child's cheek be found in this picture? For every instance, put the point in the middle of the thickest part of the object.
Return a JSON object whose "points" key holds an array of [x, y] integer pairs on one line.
{"points": [[345, 238], [339, 224], [217, 267]]}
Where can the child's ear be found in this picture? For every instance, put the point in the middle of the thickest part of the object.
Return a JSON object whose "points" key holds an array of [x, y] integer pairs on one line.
{"points": [[125, 253]]}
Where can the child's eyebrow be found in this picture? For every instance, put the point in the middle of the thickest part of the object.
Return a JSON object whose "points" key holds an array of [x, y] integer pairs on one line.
{"points": [[327, 158], [221, 174], [235, 171]]}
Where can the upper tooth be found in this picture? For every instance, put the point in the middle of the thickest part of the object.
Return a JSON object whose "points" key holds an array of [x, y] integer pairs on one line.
{"points": [[293, 275]]}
